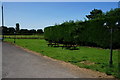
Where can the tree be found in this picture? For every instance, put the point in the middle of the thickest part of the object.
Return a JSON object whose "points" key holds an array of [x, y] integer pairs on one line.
{"points": [[39, 31], [4, 30], [95, 14], [113, 13], [86, 33], [11, 30], [17, 27], [32, 31], [24, 32]]}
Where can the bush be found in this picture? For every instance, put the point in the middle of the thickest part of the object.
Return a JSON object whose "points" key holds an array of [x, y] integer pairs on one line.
{"points": [[87, 33]]}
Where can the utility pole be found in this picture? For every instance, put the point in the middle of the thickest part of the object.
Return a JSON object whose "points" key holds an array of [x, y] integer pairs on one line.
{"points": [[2, 17], [2, 23]]}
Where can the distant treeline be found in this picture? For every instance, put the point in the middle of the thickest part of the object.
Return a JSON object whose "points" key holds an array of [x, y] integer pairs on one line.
{"points": [[90, 32], [18, 31]]}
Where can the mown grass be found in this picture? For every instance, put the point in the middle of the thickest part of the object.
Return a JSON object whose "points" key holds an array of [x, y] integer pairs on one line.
{"points": [[87, 57], [24, 36]]}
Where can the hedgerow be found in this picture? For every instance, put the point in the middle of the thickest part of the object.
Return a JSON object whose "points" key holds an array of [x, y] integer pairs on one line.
{"points": [[85, 33]]}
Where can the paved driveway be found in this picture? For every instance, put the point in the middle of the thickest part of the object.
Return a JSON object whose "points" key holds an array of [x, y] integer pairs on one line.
{"points": [[18, 63]]}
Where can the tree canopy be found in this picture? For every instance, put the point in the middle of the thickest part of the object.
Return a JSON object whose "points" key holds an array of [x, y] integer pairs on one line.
{"points": [[17, 27], [95, 14]]}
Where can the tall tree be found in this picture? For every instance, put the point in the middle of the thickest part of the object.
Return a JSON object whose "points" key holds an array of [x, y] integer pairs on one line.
{"points": [[39, 31], [17, 27], [113, 13], [95, 14]]}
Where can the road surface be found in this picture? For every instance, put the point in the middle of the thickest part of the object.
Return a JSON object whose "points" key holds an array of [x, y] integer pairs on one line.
{"points": [[18, 63]]}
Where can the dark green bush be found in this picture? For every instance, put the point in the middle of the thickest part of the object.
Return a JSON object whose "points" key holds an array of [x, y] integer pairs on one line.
{"points": [[87, 33]]}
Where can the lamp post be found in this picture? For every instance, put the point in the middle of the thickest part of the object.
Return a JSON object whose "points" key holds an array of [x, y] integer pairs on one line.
{"points": [[117, 24], [111, 36]]}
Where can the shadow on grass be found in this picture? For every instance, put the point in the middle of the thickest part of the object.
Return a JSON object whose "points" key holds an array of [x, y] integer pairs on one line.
{"points": [[72, 48], [66, 47]]}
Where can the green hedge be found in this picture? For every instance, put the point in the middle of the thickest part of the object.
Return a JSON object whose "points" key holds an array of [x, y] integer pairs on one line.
{"points": [[87, 33]]}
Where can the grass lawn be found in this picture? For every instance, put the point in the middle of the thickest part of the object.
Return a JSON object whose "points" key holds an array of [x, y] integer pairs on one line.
{"points": [[24, 36], [91, 58]]}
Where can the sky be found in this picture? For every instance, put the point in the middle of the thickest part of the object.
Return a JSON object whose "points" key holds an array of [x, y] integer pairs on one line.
{"points": [[59, 0], [38, 15]]}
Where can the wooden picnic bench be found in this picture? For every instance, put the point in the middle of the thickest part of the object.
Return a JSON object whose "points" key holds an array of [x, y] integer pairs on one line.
{"points": [[53, 44]]}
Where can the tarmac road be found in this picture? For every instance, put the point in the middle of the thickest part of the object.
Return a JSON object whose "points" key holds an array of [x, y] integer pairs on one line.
{"points": [[18, 63]]}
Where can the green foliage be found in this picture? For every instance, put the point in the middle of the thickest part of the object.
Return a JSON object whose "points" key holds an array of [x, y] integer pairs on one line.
{"points": [[87, 33], [17, 28], [113, 12], [12, 30], [95, 14]]}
